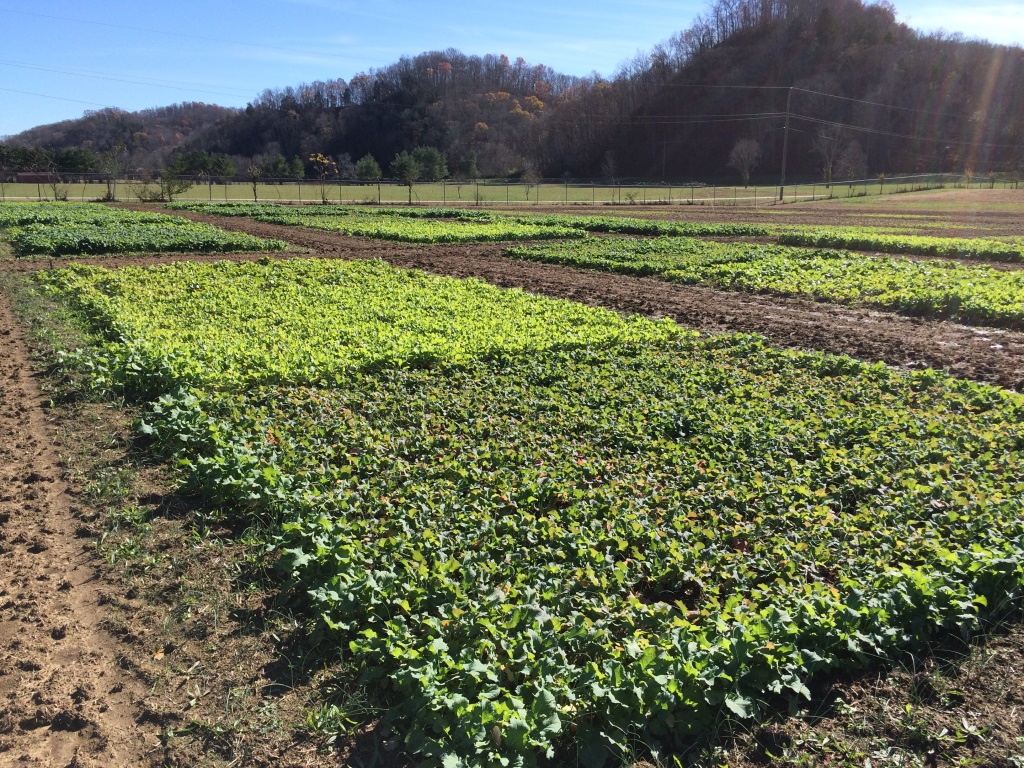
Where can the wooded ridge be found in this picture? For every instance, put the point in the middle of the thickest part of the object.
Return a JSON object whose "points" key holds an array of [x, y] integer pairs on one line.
{"points": [[864, 94]]}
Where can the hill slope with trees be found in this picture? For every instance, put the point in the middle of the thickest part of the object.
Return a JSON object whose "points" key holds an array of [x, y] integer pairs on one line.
{"points": [[865, 94]]}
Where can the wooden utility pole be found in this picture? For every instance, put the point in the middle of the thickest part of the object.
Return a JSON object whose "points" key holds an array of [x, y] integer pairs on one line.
{"points": [[785, 145]]}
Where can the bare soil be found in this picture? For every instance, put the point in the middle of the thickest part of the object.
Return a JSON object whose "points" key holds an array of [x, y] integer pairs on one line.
{"points": [[65, 698]]}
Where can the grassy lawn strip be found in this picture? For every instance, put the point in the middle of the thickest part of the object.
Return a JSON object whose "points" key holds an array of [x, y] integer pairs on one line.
{"points": [[559, 552], [934, 289], [308, 321], [87, 229]]}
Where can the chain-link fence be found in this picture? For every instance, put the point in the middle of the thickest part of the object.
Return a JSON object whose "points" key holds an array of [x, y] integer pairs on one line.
{"points": [[461, 193]]}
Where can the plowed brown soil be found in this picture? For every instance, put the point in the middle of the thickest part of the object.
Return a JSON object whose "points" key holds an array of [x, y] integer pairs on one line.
{"points": [[64, 698]]}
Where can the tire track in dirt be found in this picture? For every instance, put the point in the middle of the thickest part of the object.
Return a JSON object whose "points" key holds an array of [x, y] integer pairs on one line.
{"points": [[65, 699]]}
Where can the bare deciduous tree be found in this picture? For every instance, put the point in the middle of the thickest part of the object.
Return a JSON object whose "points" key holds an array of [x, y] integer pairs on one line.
{"points": [[608, 166], [852, 162], [744, 157], [114, 165], [827, 143]]}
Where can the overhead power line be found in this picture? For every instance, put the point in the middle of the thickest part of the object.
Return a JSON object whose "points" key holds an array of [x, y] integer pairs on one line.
{"points": [[74, 73], [58, 98], [812, 92], [894, 134]]}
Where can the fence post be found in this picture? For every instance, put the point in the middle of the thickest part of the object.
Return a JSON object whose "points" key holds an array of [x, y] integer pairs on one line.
{"points": [[444, 193], [755, 196]]}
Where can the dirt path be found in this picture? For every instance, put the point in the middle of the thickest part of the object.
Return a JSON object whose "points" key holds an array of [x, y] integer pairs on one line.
{"points": [[64, 698]]}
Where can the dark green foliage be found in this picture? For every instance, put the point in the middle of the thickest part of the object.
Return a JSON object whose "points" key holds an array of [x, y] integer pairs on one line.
{"points": [[86, 229], [431, 163], [368, 169], [555, 553]]}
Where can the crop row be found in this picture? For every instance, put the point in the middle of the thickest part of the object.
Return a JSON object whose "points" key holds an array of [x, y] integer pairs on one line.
{"points": [[421, 230], [407, 225], [69, 229], [857, 238], [556, 531], [256, 210], [952, 247], [18, 214], [604, 224], [307, 320], [622, 225], [936, 289]]}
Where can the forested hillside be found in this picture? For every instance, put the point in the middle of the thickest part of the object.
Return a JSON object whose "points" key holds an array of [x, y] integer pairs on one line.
{"points": [[865, 95]]}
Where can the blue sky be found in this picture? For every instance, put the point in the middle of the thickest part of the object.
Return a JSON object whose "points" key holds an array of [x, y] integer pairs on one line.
{"points": [[60, 58]]}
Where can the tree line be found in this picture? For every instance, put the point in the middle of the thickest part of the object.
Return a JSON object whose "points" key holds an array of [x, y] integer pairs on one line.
{"points": [[864, 94]]}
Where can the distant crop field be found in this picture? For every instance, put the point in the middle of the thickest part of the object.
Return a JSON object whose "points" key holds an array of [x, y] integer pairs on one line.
{"points": [[937, 289]]}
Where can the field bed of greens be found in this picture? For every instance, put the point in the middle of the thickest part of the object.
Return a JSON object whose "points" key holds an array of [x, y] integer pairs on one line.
{"points": [[570, 540], [952, 247], [230, 324], [880, 239], [428, 225], [603, 224], [88, 229], [621, 225], [424, 230], [934, 289], [256, 210]]}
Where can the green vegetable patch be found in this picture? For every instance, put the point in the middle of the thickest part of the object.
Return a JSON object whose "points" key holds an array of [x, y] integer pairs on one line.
{"points": [[935, 289], [88, 229], [309, 320], [561, 554], [553, 533], [858, 238]]}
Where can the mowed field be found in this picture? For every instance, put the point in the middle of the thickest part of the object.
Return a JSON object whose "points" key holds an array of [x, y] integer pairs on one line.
{"points": [[610, 485]]}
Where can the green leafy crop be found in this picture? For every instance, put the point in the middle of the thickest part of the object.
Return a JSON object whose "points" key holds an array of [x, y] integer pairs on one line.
{"points": [[86, 229], [606, 224], [938, 289], [407, 225], [555, 532], [552, 553], [860, 239], [308, 320]]}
